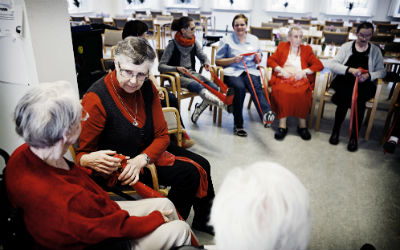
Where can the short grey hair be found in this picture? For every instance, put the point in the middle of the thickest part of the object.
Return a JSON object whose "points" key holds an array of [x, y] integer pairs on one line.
{"points": [[46, 112], [294, 27], [263, 206], [136, 48]]}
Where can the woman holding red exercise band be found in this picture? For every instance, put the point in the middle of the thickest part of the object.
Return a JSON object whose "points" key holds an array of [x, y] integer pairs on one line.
{"points": [[346, 65], [230, 56]]}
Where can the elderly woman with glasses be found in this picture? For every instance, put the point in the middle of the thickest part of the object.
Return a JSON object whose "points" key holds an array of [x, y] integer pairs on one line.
{"points": [[126, 118], [62, 207], [346, 66]]}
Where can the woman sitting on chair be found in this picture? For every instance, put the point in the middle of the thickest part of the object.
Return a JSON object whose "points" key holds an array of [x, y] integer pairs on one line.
{"points": [[229, 56], [62, 207], [126, 118], [293, 80], [179, 56], [137, 28], [346, 65]]}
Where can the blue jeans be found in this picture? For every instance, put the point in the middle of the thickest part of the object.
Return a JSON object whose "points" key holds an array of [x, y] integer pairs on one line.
{"points": [[193, 86], [240, 84]]}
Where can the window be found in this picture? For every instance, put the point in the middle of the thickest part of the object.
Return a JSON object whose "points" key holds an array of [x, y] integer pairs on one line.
{"points": [[349, 7], [183, 4], [297, 6], [137, 4]]}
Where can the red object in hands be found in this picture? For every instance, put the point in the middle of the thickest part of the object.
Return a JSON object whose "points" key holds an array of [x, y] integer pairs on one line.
{"points": [[353, 111], [145, 192]]}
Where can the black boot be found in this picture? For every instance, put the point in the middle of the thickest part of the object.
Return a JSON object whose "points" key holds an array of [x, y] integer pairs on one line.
{"points": [[334, 139]]}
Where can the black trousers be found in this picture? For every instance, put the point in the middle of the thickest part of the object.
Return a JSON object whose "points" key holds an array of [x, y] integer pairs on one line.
{"points": [[184, 179]]}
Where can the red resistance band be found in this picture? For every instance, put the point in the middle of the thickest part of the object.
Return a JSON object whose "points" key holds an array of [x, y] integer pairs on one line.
{"points": [[354, 106], [225, 97], [252, 85], [144, 191]]}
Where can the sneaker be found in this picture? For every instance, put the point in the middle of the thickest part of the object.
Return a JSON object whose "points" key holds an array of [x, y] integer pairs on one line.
{"points": [[268, 119], [198, 110], [239, 132]]}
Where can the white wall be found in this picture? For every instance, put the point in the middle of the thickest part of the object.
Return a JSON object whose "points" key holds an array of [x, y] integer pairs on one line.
{"points": [[47, 54]]}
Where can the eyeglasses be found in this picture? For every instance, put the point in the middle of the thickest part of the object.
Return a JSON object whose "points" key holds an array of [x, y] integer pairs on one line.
{"points": [[130, 74], [191, 28], [365, 36]]}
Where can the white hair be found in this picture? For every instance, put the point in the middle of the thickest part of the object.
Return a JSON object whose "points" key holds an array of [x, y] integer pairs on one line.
{"points": [[46, 112], [263, 206]]}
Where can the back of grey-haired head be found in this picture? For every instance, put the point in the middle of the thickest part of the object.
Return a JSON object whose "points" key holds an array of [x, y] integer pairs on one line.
{"points": [[46, 112], [263, 206], [136, 48]]}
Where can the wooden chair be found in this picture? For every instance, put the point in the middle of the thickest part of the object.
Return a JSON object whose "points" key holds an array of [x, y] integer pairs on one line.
{"points": [[197, 20], [107, 64], [335, 38], [151, 167], [393, 108], [139, 12], [99, 20], [263, 33], [175, 84], [272, 25], [375, 22], [334, 23], [383, 28], [111, 38], [324, 97], [176, 14], [336, 29], [78, 19], [284, 21], [302, 21], [382, 38], [119, 23], [154, 14]]}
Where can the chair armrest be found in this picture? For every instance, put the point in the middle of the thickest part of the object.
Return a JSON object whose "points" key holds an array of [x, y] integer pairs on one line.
{"points": [[165, 92]]}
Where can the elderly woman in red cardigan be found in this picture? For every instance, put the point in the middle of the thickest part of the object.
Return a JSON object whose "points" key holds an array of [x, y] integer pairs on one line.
{"points": [[292, 82]]}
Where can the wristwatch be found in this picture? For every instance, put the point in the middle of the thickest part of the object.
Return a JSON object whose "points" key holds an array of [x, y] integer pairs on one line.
{"points": [[146, 157]]}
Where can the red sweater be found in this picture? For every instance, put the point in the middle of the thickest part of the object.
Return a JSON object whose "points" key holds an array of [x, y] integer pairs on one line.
{"points": [[307, 59], [67, 209], [93, 127]]}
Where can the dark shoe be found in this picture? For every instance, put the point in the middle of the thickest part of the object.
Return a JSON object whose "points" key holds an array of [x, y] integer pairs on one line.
{"points": [[367, 246], [239, 132], [334, 139], [389, 146], [268, 118], [304, 133], [203, 228], [281, 133], [353, 145]]}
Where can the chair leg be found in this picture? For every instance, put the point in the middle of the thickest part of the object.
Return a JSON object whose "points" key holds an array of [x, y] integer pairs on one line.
{"points": [[219, 117], [190, 103], [214, 114], [249, 104], [387, 124]]}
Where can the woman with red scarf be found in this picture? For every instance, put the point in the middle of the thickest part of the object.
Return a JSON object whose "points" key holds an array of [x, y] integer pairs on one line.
{"points": [[180, 56]]}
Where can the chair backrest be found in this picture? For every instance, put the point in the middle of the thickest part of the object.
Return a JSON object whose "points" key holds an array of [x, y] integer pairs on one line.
{"points": [[155, 13], [140, 12], [120, 22], [195, 16], [271, 25], [385, 28], [375, 22], [284, 21], [390, 48], [149, 23], [335, 29], [78, 19], [302, 21], [96, 20], [336, 38], [112, 37], [334, 23], [382, 38], [176, 14], [263, 33], [107, 64]]}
